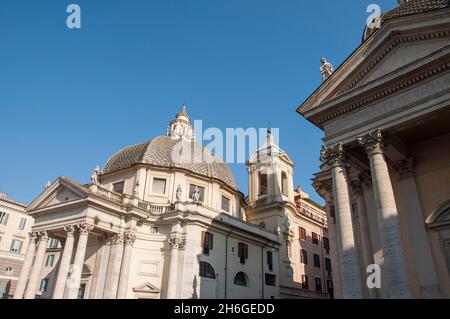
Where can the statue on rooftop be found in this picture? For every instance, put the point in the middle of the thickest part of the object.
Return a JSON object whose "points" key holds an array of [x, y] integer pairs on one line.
{"points": [[326, 69], [94, 176]]}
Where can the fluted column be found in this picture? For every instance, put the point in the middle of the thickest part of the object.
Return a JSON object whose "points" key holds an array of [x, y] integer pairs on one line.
{"points": [[175, 243], [348, 254], [64, 264], [36, 270], [394, 256], [114, 264], [129, 240], [366, 242], [25, 272], [78, 262]]}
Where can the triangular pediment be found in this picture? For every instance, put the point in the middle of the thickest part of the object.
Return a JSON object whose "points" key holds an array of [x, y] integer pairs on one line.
{"points": [[389, 60], [383, 57], [147, 288], [61, 191]]}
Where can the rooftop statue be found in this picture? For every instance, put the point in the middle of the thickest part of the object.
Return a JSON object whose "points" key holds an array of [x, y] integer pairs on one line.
{"points": [[326, 69]]}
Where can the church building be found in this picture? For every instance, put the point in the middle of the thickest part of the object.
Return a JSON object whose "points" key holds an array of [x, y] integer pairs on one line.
{"points": [[165, 219], [385, 172]]}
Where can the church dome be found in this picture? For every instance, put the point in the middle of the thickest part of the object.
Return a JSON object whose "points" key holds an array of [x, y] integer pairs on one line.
{"points": [[176, 150], [408, 8]]}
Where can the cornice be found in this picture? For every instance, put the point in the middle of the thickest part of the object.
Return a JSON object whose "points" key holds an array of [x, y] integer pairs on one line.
{"points": [[387, 41], [386, 91]]}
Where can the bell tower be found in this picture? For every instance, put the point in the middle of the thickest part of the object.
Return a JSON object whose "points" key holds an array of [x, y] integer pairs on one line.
{"points": [[271, 174]]}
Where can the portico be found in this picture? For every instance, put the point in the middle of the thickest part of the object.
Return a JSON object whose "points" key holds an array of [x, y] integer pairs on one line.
{"points": [[385, 115]]}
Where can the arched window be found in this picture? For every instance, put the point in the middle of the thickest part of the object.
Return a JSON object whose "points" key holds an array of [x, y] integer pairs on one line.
{"points": [[439, 221], [284, 184], [241, 279], [207, 271], [288, 248], [262, 184]]}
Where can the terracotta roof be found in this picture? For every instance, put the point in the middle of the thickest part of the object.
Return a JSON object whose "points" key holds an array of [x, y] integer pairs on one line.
{"points": [[163, 151], [411, 7]]}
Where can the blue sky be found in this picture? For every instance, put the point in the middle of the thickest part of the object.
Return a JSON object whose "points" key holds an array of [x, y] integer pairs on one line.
{"points": [[69, 99]]}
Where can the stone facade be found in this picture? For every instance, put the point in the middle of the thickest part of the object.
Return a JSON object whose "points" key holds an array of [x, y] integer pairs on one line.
{"points": [[151, 225], [385, 165], [15, 225]]}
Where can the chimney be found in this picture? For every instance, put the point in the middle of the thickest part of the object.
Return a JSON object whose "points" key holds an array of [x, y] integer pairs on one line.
{"points": [[2, 195]]}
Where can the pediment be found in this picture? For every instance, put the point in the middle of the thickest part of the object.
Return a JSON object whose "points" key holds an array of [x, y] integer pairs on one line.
{"points": [[147, 288], [60, 191], [397, 54], [392, 50]]}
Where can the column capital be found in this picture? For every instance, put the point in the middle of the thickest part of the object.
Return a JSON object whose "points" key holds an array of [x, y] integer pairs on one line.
{"points": [[129, 238], [404, 168], [85, 228], [118, 239], [70, 230], [333, 156], [33, 236], [373, 142], [42, 235], [356, 186], [177, 242]]}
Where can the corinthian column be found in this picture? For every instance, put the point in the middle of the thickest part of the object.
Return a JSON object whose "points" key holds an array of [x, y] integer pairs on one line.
{"points": [[64, 264], [36, 270], [348, 254], [114, 264], [364, 229], [129, 240], [25, 272], [175, 244], [78, 263], [394, 256]]}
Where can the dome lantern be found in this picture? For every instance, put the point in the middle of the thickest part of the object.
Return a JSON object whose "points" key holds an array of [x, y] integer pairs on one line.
{"points": [[181, 127]]}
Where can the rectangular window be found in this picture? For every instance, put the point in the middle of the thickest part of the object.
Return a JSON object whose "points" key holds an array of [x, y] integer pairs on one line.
{"points": [[3, 291], [225, 204], [53, 244], [316, 261], [4, 218], [81, 291], [154, 230], [49, 261], [328, 265], [289, 272], [16, 246], [270, 260], [305, 282], [192, 191], [44, 285], [207, 242], [22, 223], [303, 256], [271, 280], [326, 244], [318, 284], [315, 238], [302, 233], [159, 186], [242, 252], [118, 187]]}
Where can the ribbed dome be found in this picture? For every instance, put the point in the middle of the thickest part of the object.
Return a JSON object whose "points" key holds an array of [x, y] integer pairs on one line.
{"points": [[163, 151], [411, 7]]}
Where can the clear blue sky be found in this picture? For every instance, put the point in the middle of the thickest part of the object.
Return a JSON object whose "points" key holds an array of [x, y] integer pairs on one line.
{"points": [[69, 99]]}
